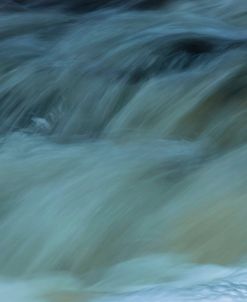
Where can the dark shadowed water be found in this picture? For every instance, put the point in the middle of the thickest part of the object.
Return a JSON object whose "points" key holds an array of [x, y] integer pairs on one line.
{"points": [[123, 151]]}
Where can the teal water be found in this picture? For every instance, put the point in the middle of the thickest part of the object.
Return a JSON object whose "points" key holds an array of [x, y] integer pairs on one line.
{"points": [[123, 154]]}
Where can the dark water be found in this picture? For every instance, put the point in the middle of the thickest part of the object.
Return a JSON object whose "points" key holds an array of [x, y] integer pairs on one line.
{"points": [[123, 151]]}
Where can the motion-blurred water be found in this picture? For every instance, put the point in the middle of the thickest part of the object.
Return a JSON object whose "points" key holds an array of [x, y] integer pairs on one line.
{"points": [[123, 152]]}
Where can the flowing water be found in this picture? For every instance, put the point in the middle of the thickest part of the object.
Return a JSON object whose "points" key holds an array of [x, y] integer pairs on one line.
{"points": [[123, 152]]}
